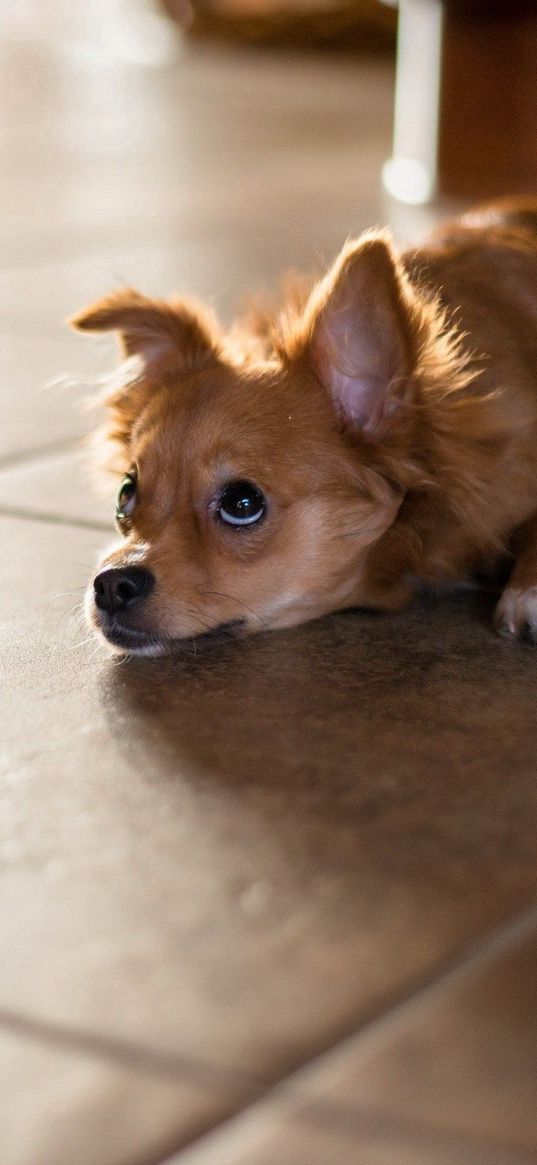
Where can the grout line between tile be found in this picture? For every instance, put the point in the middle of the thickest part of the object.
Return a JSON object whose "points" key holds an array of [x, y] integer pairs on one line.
{"points": [[326, 1114], [478, 952], [141, 1058], [256, 1091], [473, 954], [409, 1132], [52, 519], [37, 452]]}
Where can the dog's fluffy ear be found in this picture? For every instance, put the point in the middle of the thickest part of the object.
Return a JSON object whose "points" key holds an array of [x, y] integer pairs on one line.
{"points": [[175, 335], [358, 335], [159, 339]]}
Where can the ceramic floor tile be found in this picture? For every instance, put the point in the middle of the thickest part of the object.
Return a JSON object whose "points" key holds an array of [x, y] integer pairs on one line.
{"points": [[64, 1105], [247, 204], [163, 151], [461, 1060], [221, 269], [61, 486], [43, 383], [447, 1078], [250, 197], [304, 1135], [220, 839], [219, 264]]}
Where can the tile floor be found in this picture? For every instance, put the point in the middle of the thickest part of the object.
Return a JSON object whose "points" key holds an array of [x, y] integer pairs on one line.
{"points": [[274, 902]]}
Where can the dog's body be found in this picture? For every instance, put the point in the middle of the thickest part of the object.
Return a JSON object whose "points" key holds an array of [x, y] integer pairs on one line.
{"points": [[383, 428]]}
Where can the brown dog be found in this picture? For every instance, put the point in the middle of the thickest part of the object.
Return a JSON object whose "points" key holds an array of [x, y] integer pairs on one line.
{"points": [[378, 431]]}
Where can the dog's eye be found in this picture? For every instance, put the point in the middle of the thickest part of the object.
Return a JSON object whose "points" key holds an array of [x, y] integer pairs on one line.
{"points": [[126, 497], [241, 504]]}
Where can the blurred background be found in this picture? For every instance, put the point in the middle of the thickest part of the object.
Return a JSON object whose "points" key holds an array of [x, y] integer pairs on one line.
{"points": [[206, 145], [175, 147]]}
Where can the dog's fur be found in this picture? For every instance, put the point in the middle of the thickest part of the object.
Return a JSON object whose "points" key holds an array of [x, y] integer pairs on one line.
{"points": [[389, 415]]}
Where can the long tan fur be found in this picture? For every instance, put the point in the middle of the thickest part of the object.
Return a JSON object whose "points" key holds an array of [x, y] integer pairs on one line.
{"points": [[387, 412]]}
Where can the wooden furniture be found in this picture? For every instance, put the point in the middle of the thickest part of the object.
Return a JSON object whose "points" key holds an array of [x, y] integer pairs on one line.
{"points": [[466, 99]]}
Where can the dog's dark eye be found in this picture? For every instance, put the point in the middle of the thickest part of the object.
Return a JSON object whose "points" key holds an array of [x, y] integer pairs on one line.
{"points": [[126, 497], [241, 504]]}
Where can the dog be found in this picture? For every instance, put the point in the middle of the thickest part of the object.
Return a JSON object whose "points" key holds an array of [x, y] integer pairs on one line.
{"points": [[377, 433]]}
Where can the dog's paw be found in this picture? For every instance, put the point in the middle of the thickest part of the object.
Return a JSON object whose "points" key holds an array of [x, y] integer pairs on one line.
{"points": [[516, 613]]}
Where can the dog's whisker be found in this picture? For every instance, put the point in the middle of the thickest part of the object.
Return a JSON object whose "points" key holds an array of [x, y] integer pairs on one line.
{"points": [[240, 603], [203, 622], [63, 595], [94, 654], [194, 607], [83, 643], [76, 612], [116, 660], [64, 614]]}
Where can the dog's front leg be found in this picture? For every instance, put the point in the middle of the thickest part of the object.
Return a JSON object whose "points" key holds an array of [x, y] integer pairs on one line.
{"points": [[516, 613]]}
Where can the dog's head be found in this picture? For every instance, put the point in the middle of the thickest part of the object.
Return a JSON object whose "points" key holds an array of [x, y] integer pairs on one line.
{"points": [[256, 474]]}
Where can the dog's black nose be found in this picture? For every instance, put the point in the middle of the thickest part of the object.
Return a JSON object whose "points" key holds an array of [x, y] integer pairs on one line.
{"points": [[115, 590]]}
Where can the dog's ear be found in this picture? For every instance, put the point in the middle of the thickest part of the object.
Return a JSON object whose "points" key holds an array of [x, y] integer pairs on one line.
{"points": [[168, 335], [358, 335]]}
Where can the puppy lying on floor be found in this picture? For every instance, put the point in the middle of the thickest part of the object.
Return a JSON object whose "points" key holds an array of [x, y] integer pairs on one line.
{"points": [[378, 432]]}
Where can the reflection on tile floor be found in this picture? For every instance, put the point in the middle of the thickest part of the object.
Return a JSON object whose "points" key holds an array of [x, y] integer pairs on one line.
{"points": [[233, 882]]}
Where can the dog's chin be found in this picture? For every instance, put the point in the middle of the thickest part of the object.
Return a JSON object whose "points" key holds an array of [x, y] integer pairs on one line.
{"points": [[129, 641], [133, 641]]}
